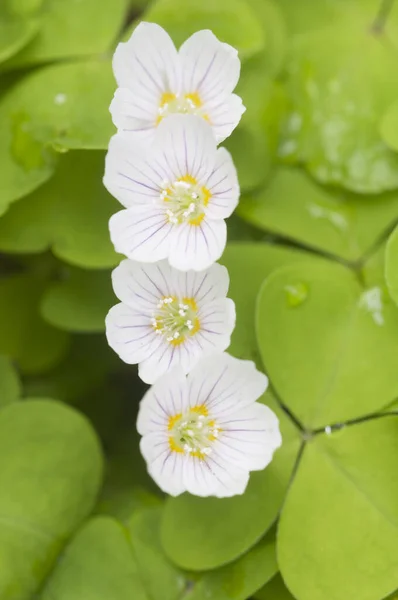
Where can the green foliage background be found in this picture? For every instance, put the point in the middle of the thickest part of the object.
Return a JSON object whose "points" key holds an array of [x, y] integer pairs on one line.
{"points": [[314, 274]]}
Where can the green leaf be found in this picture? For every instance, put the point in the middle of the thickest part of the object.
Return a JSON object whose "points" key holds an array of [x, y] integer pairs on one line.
{"points": [[337, 536], [79, 302], [389, 127], [232, 21], [24, 336], [10, 386], [54, 108], [50, 469], [97, 565], [338, 94], [67, 31], [342, 224], [220, 530], [240, 579], [391, 267], [320, 335], [248, 265], [16, 30], [274, 590], [70, 213]]}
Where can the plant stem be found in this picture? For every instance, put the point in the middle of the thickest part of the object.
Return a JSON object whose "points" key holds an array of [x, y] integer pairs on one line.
{"points": [[383, 13]]}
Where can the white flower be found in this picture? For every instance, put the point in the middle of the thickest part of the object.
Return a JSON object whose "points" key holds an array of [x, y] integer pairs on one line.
{"points": [[168, 318], [204, 433], [155, 81], [177, 193]]}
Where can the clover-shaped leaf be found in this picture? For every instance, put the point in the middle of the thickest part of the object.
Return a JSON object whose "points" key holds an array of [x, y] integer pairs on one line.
{"points": [[274, 590], [320, 335], [248, 265], [72, 29], [69, 214], [337, 536], [391, 265], [346, 225], [10, 387], [16, 29], [222, 530], [24, 336], [50, 469], [338, 93], [232, 21], [52, 109]]}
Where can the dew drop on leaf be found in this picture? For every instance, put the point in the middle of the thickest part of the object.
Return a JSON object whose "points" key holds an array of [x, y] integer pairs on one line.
{"points": [[296, 293]]}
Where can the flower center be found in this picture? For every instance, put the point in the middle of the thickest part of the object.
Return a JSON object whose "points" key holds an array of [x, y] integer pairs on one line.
{"points": [[185, 200], [193, 432], [176, 319], [185, 103]]}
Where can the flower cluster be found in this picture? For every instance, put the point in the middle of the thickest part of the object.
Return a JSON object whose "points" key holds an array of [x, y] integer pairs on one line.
{"points": [[202, 429]]}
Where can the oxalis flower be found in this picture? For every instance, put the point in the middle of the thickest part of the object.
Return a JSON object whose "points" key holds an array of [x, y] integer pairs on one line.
{"points": [[168, 318], [204, 433], [156, 81], [177, 194]]}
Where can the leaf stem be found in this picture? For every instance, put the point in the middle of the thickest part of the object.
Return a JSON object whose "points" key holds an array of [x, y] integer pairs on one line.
{"points": [[383, 13]]}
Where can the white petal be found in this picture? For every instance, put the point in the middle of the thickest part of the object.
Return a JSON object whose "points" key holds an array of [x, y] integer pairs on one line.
{"points": [[186, 145], [250, 437], [166, 357], [210, 68], [217, 322], [142, 285], [133, 114], [225, 384], [199, 480], [198, 246], [164, 466], [203, 286], [166, 398], [223, 186], [148, 65], [231, 478], [130, 333], [224, 115], [141, 233], [130, 175]]}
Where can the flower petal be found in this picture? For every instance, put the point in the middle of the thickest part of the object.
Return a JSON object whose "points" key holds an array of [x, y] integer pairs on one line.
{"points": [[141, 233], [224, 115], [165, 358], [210, 68], [166, 398], [142, 285], [133, 114], [130, 334], [186, 145], [203, 286], [164, 465], [223, 186], [198, 246], [231, 479], [225, 384], [130, 175], [217, 322], [250, 437], [148, 65]]}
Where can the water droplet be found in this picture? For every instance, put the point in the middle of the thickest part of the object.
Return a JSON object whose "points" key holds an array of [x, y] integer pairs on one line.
{"points": [[296, 293], [333, 216], [60, 99], [328, 430]]}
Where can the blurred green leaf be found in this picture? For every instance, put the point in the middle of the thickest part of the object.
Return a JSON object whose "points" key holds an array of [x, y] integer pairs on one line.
{"points": [[337, 536], [51, 109], [220, 530], [73, 28], [97, 565], [24, 336], [10, 386], [16, 29], [248, 265], [79, 302], [338, 94], [50, 469], [70, 213], [320, 336], [342, 224], [389, 127], [232, 21], [274, 590]]}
